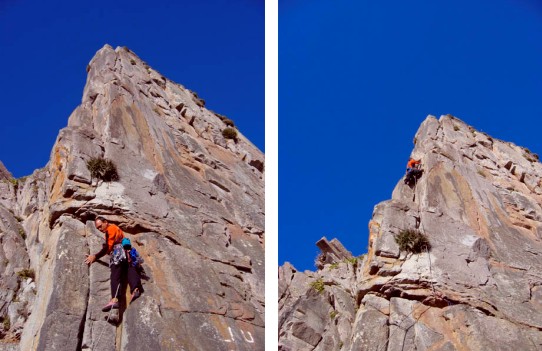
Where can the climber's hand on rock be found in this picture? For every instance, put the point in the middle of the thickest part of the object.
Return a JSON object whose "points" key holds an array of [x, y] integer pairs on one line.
{"points": [[90, 259]]}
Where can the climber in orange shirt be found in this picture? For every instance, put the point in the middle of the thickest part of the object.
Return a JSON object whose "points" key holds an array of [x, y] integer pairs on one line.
{"points": [[413, 171], [412, 164], [118, 262]]}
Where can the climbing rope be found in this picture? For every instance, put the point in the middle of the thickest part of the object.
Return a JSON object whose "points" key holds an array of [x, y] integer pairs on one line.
{"points": [[430, 272], [107, 320], [434, 294], [426, 249], [414, 192]]}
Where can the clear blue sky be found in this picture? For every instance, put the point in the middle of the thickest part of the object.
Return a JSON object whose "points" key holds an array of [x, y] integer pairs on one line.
{"points": [[356, 79], [213, 47]]}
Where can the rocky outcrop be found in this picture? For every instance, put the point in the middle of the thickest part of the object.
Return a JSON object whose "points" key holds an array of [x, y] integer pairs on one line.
{"points": [[191, 201], [331, 252], [479, 285]]}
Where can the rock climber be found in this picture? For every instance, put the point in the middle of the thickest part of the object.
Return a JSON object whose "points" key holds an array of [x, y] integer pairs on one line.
{"points": [[118, 262], [412, 170], [412, 165]]}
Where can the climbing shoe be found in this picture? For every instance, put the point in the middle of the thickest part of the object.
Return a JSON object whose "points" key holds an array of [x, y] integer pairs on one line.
{"points": [[110, 305], [135, 295]]}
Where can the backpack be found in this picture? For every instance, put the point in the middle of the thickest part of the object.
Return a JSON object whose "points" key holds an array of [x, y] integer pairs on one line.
{"points": [[131, 253]]}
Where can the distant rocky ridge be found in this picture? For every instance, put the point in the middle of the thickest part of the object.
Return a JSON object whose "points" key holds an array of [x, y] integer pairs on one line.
{"points": [[479, 286], [190, 199]]}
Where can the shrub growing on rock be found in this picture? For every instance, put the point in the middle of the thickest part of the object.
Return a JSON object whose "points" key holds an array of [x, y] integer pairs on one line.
{"points": [[229, 133], [26, 273], [411, 240], [199, 101], [228, 122], [103, 169], [22, 233], [318, 285], [6, 323], [352, 260], [530, 156]]}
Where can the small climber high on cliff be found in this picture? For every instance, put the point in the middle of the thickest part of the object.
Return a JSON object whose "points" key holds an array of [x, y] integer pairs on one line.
{"points": [[413, 171], [118, 262]]}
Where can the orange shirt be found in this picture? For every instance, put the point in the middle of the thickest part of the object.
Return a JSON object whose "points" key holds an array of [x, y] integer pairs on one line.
{"points": [[113, 236], [412, 162]]}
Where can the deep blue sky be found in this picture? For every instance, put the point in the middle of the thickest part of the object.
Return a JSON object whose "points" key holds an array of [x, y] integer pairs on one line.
{"points": [[356, 79], [213, 47]]}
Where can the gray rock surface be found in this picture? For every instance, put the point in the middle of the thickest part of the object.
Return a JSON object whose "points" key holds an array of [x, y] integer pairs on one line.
{"points": [[477, 288], [17, 283], [191, 201]]}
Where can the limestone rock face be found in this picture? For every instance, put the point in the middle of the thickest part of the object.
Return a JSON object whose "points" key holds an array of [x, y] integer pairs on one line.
{"points": [[191, 201], [478, 287]]}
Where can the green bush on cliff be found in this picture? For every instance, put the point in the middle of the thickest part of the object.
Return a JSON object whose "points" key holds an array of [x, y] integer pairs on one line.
{"points": [[229, 133], [318, 285], [102, 169], [228, 122], [6, 323], [531, 157], [26, 273], [411, 240], [352, 260]]}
